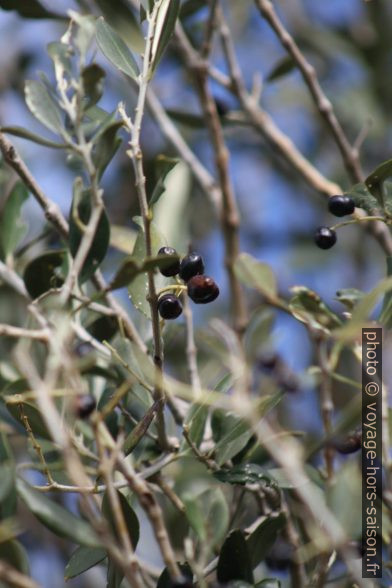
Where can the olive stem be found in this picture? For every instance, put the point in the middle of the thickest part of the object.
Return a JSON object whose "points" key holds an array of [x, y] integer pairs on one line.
{"points": [[357, 220], [177, 287]]}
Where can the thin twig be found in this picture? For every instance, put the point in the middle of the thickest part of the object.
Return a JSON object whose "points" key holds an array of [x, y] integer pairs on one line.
{"points": [[150, 505], [191, 351], [136, 156], [160, 481], [37, 334], [264, 124], [203, 177], [14, 578], [106, 468], [230, 215], [73, 463], [324, 106], [12, 279], [327, 407], [36, 446], [209, 30], [51, 210]]}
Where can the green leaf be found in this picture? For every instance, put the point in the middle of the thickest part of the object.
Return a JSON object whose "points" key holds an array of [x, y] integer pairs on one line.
{"points": [[7, 480], [386, 311], [139, 431], [249, 473], [27, 409], [114, 575], [5, 447], [45, 272], [195, 421], [15, 555], [115, 50], [123, 20], [263, 537], [164, 165], [12, 227], [236, 436], [131, 520], [84, 33], [138, 290], [131, 267], [42, 106], [344, 498], [188, 119], [165, 581], [217, 515], [234, 561], [349, 297], [80, 213], [93, 77], [269, 583], [374, 182], [362, 310], [307, 307], [166, 21], [99, 121], [281, 69], [195, 517], [258, 331], [208, 514], [29, 136], [127, 271], [60, 53], [363, 198], [82, 559], [107, 144], [30, 9], [256, 274], [56, 517], [139, 362]]}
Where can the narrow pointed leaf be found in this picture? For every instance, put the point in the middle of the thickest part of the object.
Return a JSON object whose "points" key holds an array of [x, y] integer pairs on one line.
{"points": [[129, 515], [263, 538], [45, 272], [59, 520], [256, 274], [42, 106], [164, 580], [166, 22], [234, 560], [82, 559], [139, 431], [115, 50], [12, 227], [29, 136], [80, 214], [15, 555]]}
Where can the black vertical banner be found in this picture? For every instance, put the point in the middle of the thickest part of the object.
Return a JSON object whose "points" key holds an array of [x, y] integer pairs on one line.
{"points": [[371, 452]]}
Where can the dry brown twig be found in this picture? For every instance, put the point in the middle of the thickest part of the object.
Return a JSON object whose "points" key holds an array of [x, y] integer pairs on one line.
{"points": [[15, 579], [229, 214]]}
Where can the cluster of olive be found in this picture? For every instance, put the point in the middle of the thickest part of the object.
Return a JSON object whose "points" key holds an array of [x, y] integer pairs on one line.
{"points": [[201, 288]]}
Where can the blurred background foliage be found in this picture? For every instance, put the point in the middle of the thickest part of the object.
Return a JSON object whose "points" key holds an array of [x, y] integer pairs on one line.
{"points": [[351, 47]]}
